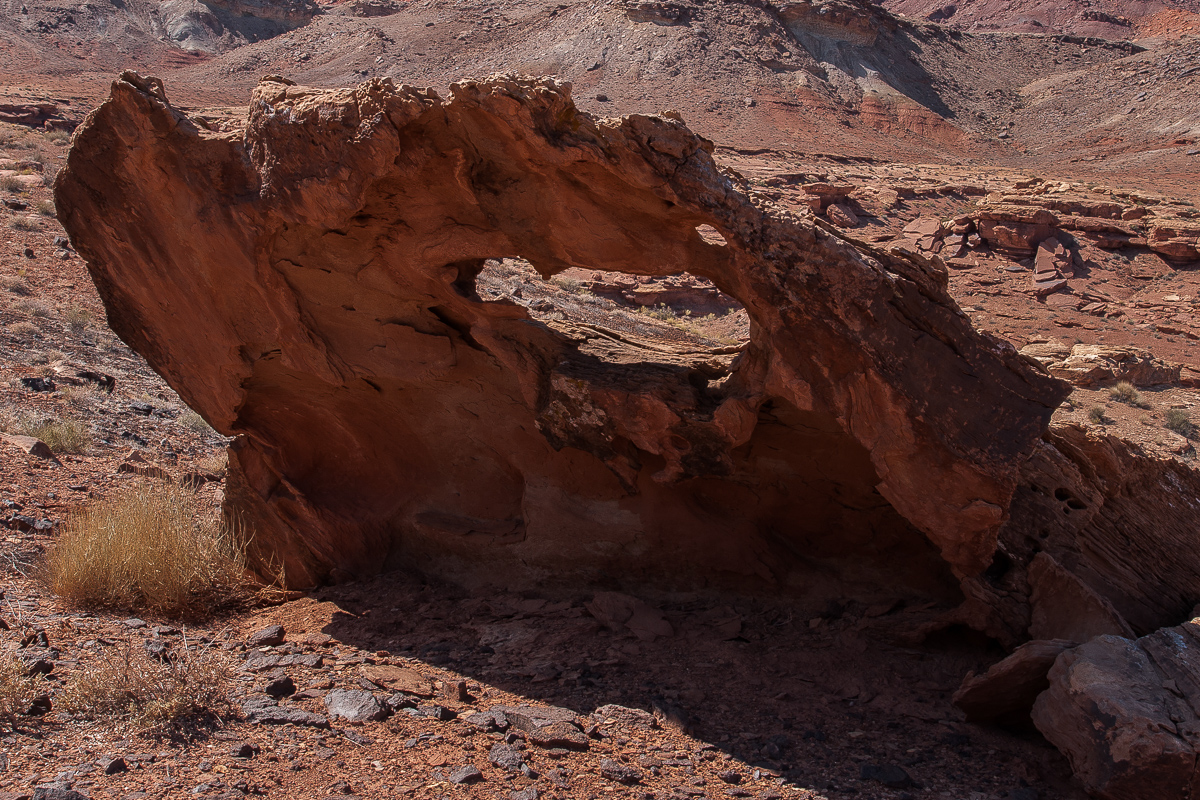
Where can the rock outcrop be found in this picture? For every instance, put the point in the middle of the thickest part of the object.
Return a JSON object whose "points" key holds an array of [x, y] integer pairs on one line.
{"points": [[308, 286], [307, 283]]}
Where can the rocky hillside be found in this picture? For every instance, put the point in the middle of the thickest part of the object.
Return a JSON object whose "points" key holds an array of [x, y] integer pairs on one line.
{"points": [[1108, 19]]}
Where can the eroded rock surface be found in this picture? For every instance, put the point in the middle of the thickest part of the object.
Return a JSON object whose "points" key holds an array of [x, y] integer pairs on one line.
{"points": [[308, 286]]}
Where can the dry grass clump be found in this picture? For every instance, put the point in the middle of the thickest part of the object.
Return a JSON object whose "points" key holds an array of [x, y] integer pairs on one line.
{"points": [[24, 224], [153, 695], [1124, 392], [1177, 420], [11, 183], [46, 208], [78, 319], [1096, 415], [83, 396], [24, 330], [17, 689], [15, 284], [34, 308], [148, 548], [194, 422], [217, 463], [60, 435]]}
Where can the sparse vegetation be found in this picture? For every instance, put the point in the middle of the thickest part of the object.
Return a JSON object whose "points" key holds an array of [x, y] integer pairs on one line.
{"points": [[148, 549], [34, 308], [57, 137], [46, 208], [17, 689], [1096, 415], [82, 396], [150, 694], [24, 330], [1177, 420], [217, 463], [15, 284], [24, 224], [60, 435], [78, 319], [194, 422], [568, 285], [11, 183], [1124, 392]]}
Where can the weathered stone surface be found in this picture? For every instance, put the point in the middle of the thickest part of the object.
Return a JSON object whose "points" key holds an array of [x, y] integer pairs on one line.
{"points": [[546, 726], [400, 679], [621, 773], [265, 710], [1125, 714], [354, 705], [267, 637], [1176, 240], [1120, 519], [618, 611], [1015, 229], [1064, 607], [841, 215], [350, 225], [30, 445], [1006, 692]]}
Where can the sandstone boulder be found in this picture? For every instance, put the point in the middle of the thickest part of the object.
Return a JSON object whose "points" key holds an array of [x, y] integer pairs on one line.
{"points": [[1007, 691], [307, 284], [841, 215], [1125, 714]]}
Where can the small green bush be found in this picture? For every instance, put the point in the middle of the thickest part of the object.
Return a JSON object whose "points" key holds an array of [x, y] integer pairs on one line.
{"points": [[1096, 415]]}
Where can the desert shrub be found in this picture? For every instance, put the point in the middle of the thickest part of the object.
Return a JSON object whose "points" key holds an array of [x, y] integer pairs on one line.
{"points": [[1124, 392], [34, 308], [17, 690], [148, 548], [78, 319], [127, 684], [568, 284], [1178, 421], [11, 183], [16, 285], [57, 137], [46, 208], [24, 330], [1096, 414], [24, 224]]}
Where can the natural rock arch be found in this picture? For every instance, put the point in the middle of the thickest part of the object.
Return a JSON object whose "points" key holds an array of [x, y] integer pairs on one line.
{"points": [[306, 285]]}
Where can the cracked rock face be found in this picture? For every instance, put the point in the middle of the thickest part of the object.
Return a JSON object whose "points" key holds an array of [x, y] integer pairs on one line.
{"points": [[307, 285]]}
